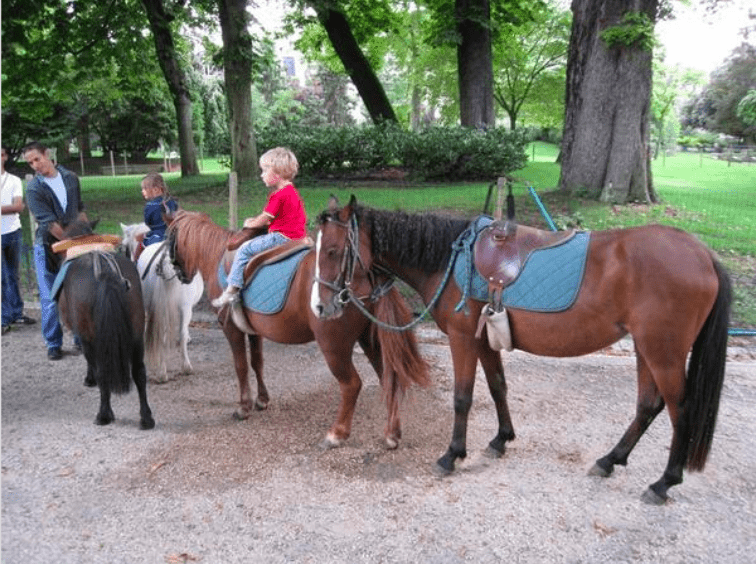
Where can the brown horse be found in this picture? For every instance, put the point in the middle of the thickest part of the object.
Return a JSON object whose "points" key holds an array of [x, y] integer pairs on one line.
{"points": [[100, 301], [656, 283], [198, 245]]}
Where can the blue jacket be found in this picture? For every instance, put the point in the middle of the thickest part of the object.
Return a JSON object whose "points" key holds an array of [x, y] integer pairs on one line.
{"points": [[153, 217], [45, 206]]}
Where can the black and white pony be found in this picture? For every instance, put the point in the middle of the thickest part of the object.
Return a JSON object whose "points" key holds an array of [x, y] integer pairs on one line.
{"points": [[168, 303]]}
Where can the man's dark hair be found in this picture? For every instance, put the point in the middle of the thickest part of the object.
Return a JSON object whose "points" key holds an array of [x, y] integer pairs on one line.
{"points": [[34, 146]]}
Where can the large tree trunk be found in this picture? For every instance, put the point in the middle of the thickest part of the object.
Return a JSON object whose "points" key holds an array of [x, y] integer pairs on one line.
{"points": [[237, 66], [474, 64], [355, 63], [174, 76], [607, 106]]}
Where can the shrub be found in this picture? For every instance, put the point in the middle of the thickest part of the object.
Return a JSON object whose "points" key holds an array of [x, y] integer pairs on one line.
{"points": [[450, 153]]}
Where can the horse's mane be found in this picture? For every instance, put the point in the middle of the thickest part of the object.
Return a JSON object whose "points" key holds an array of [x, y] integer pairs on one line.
{"points": [[199, 241], [421, 241]]}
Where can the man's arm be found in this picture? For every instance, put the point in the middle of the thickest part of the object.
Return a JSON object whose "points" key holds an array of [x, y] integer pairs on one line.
{"points": [[16, 206]]}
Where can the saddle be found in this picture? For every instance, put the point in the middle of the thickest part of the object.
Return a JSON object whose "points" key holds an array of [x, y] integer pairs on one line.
{"points": [[503, 247], [77, 246], [269, 256]]}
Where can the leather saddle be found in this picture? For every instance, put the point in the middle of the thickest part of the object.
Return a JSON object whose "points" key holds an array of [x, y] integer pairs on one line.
{"points": [[502, 248], [268, 256], [77, 246]]}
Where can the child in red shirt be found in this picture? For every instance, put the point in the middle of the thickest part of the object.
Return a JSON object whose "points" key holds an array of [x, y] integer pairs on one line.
{"points": [[283, 215]]}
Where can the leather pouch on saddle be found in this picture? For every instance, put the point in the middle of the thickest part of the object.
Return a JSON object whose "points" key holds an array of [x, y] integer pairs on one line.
{"points": [[499, 254]]}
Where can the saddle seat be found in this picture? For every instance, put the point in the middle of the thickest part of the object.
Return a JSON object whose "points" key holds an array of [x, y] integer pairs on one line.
{"points": [[77, 246], [269, 256], [503, 247]]}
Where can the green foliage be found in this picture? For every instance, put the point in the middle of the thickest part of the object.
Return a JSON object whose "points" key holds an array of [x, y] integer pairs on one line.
{"points": [[635, 29], [434, 153], [747, 109]]}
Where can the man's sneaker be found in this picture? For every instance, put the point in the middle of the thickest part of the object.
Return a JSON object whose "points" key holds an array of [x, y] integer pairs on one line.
{"points": [[24, 320], [6, 328], [226, 298], [54, 353]]}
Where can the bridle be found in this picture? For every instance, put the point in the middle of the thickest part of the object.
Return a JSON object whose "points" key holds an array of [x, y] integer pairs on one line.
{"points": [[170, 243], [341, 286]]}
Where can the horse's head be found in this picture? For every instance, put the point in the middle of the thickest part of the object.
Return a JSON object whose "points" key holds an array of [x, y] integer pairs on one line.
{"points": [[343, 261], [129, 242], [79, 228]]}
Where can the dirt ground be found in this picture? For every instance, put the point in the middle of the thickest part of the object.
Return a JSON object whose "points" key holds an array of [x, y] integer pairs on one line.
{"points": [[202, 487]]}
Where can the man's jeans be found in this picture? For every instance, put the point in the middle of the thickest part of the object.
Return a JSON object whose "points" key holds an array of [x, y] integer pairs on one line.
{"points": [[51, 329], [13, 305]]}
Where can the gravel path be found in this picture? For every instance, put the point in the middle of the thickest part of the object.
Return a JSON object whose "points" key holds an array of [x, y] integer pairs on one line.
{"points": [[202, 487]]}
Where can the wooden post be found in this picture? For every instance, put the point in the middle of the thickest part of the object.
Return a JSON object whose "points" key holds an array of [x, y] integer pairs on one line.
{"points": [[499, 198], [233, 196], [81, 161], [112, 163]]}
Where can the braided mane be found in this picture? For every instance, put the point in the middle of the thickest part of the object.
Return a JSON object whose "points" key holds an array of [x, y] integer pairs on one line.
{"points": [[421, 241]]}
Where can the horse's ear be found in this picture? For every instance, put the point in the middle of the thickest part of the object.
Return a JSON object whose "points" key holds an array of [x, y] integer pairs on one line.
{"points": [[93, 224], [353, 202], [333, 203]]}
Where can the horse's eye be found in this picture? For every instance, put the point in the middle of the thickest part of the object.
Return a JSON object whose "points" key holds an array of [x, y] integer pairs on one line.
{"points": [[332, 252]]}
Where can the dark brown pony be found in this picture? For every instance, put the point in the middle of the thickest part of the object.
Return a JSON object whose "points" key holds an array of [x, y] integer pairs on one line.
{"points": [[197, 245], [100, 300], [656, 283]]}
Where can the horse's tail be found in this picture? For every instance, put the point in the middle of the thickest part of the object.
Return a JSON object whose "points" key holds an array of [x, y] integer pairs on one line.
{"points": [[163, 315], [114, 338], [402, 363], [706, 369]]}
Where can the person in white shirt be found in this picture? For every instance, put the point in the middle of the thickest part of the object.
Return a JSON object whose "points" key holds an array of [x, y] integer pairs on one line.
{"points": [[12, 206]]}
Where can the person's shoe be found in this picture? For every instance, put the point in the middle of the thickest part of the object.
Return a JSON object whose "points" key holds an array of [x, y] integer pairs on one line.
{"points": [[6, 329], [54, 353], [24, 320], [226, 298]]}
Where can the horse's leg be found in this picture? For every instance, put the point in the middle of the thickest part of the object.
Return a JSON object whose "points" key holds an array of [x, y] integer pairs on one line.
{"points": [[497, 385], [139, 374], [236, 340], [89, 380], [256, 359], [649, 404], [186, 317], [339, 360], [105, 416], [464, 359], [371, 347]]}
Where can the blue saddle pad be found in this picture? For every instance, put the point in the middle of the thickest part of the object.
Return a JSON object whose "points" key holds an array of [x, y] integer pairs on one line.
{"points": [[269, 288], [59, 278], [549, 281]]}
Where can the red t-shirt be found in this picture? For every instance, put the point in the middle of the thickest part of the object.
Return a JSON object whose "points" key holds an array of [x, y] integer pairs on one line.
{"points": [[287, 209]]}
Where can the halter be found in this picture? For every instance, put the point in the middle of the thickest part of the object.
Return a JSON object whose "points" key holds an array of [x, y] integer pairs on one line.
{"points": [[343, 293]]}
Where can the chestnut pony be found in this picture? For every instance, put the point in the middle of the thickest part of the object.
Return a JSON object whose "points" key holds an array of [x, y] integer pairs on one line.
{"points": [[197, 245], [656, 283]]}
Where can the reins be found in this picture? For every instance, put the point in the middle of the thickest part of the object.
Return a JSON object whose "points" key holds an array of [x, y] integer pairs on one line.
{"points": [[346, 295]]}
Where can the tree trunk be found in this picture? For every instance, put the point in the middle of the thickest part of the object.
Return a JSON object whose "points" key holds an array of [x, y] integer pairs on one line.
{"points": [[474, 64], [356, 64], [174, 76], [237, 72], [607, 106]]}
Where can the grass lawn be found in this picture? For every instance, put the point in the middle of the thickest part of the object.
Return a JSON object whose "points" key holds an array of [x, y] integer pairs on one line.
{"points": [[699, 194]]}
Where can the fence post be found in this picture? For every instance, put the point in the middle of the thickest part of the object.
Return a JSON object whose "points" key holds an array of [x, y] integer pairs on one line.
{"points": [[233, 195], [112, 163]]}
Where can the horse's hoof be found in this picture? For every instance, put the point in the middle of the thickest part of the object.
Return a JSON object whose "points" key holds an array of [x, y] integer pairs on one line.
{"points": [[392, 443], [241, 415], [599, 471], [90, 382], [146, 424], [493, 453], [652, 498], [261, 406], [329, 443], [104, 420], [439, 471]]}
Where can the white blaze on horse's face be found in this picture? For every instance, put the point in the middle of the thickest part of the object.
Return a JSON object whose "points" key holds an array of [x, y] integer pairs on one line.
{"points": [[315, 295]]}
